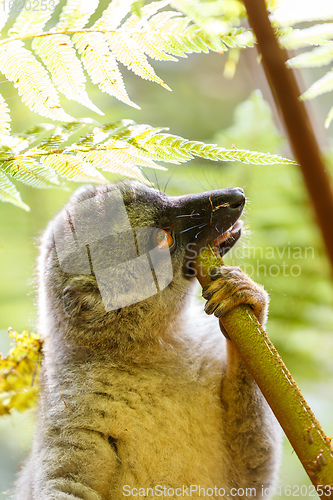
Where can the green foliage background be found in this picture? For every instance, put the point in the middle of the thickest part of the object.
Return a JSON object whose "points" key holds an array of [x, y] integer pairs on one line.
{"points": [[278, 215]]}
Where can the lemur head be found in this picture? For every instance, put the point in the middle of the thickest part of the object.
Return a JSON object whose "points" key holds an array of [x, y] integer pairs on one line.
{"points": [[125, 249]]}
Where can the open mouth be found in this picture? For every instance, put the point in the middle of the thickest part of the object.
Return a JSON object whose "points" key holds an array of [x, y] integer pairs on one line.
{"points": [[227, 239]]}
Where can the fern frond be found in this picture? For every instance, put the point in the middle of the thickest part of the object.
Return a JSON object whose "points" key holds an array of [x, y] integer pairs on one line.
{"points": [[126, 51], [32, 81], [73, 168], [5, 11], [171, 148], [4, 117], [75, 150], [286, 15], [320, 56], [101, 65], [211, 15], [321, 86], [31, 172], [146, 39], [317, 57], [75, 14], [59, 56], [119, 36], [31, 21], [112, 16], [8, 192], [329, 118], [51, 137], [299, 38], [112, 163]]}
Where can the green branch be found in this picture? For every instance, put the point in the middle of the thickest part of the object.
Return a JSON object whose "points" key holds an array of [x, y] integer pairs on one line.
{"points": [[277, 385]]}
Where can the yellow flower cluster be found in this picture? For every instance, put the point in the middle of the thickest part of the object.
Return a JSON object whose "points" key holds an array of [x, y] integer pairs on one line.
{"points": [[19, 373]]}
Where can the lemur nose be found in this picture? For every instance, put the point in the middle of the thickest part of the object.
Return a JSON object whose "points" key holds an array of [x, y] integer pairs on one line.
{"points": [[236, 198]]}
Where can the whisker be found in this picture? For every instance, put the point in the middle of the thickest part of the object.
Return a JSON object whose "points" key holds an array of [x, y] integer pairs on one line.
{"points": [[196, 236], [167, 182], [189, 228], [186, 215]]}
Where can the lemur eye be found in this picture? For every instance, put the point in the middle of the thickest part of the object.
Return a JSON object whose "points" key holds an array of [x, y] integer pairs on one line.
{"points": [[164, 239]]}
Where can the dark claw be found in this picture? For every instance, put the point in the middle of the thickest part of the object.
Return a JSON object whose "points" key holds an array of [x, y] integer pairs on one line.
{"points": [[210, 308], [215, 273], [206, 293]]}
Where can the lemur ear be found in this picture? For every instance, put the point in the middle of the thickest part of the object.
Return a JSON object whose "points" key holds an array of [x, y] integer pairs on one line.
{"points": [[71, 300], [81, 296]]}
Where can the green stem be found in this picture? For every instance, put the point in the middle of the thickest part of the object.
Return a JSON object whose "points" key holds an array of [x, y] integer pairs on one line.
{"points": [[277, 385]]}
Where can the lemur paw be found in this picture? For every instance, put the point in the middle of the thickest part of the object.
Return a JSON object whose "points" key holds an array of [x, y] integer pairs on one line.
{"points": [[230, 287]]}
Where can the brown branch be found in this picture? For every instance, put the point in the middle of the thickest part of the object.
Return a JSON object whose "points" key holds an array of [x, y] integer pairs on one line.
{"points": [[302, 139]]}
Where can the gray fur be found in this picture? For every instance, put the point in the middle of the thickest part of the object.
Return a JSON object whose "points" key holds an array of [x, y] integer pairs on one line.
{"points": [[150, 394]]}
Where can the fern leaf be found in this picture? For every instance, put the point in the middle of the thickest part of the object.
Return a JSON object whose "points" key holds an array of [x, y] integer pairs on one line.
{"points": [[125, 50], [173, 34], [4, 117], [109, 163], [117, 154], [145, 33], [29, 171], [329, 118], [55, 136], [101, 65], [32, 81], [146, 12], [124, 47], [287, 15], [171, 147], [59, 56], [12, 145], [122, 147], [153, 46], [114, 14], [73, 168], [75, 14], [163, 27], [297, 38], [5, 11], [9, 193], [321, 86], [32, 21], [317, 57], [102, 133], [129, 154], [210, 20]]}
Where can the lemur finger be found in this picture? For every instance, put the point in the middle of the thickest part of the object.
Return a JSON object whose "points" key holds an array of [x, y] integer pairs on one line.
{"points": [[231, 287]]}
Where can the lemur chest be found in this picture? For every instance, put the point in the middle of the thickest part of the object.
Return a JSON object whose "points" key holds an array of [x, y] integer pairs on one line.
{"points": [[166, 426]]}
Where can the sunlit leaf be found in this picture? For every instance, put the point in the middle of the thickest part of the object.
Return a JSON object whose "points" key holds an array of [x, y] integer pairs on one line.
{"points": [[75, 14], [317, 57], [59, 56], [4, 117], [8, 192], [31, 172], [321, 86], [32, 80], [73, 168]]}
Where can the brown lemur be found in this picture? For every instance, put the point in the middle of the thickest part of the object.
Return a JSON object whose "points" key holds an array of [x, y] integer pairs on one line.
{"points": [[140, 391]]}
